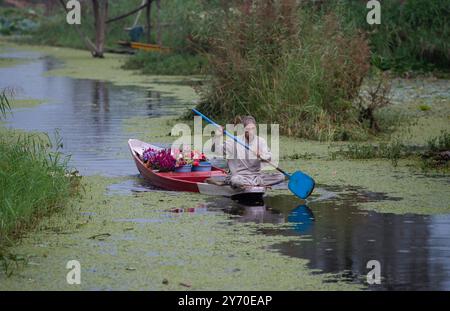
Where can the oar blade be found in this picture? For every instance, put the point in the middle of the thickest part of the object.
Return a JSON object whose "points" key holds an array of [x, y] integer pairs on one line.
{"points": [[301, 185]]}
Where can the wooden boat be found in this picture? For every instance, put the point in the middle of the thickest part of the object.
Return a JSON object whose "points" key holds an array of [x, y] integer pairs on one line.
{"points": [[144, 46], [191, 181]]}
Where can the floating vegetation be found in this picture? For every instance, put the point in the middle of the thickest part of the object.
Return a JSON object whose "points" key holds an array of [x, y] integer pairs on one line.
{"points": [[392, 151], [194, 251], [424, 108]]}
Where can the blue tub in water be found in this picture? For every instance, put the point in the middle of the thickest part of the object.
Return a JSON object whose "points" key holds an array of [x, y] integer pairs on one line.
{"points": [[203, 166], [183, 169]]}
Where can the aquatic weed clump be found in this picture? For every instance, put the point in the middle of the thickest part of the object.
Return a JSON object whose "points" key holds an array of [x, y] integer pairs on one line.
{"points": [[393, 151], [438, 153]]}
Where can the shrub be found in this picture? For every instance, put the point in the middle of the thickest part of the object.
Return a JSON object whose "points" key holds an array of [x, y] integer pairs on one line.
{"points": [[373, 97], [288, 65]]}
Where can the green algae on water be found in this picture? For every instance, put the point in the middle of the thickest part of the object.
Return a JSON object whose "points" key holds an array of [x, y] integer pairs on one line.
{"points": [[205, 251], [80, 64], [10, 62], [25, 103]]}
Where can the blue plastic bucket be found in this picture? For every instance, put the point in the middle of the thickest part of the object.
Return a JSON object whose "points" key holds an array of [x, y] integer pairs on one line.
{"points": [[203, 166], [183, 169]]}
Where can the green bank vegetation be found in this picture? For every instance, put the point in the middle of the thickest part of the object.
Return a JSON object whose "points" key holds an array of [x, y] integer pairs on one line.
{"points": [[166, 64], [413, 35], [16, 21], [35, 179]]}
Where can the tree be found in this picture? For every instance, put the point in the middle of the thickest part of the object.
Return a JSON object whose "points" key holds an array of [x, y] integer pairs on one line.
{"points": [[100, 8]]}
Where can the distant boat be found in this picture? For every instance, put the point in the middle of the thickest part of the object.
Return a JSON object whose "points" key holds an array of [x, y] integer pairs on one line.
{"points": [[144, 46]]}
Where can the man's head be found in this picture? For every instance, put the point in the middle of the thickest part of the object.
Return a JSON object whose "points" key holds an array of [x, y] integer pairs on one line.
{"points": [[249, 123]]}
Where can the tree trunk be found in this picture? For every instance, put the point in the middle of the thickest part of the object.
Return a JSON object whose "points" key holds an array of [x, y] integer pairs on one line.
{"points": [[88, 43], [100, 8], [50, 7], [158, 22], [149, 23]]}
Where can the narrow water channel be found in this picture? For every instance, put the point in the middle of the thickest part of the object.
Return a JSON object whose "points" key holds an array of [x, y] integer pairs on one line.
{"points": [[88, 114], [414, 250]]}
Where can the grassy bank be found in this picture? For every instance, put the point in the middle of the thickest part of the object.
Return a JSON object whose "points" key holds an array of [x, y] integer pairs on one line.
{"points": [[18, 22], [34, 180], [166, 64]]}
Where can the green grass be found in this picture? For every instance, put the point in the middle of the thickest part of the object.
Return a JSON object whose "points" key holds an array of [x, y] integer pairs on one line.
{"points": [[424, 107], [166, 64], [414, 35], [438, 154], [440, 143], [17, 22], [34, 179], [34, 182], [393, 151], [433, 155]]}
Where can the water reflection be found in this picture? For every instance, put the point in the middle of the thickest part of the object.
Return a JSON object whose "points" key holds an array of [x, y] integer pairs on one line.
{"points": [[413, 249], [88, 113], [302, 219]]}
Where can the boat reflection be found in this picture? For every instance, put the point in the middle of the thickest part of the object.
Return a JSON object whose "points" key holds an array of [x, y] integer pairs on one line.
{"points": [[271, 210]]}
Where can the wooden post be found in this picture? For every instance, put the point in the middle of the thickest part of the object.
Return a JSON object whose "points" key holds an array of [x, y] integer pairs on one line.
{"points": [[148, 18]]}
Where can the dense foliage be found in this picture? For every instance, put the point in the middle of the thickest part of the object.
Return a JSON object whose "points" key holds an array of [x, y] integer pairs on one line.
{"points": [[413, 34], [288, 65]]}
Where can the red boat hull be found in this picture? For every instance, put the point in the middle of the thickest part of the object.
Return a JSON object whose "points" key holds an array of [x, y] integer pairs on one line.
{"points": [[175, 181]]}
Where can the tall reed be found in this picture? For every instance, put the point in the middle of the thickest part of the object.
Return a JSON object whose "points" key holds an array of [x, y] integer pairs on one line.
{"points": [[289, 65], [34, 181]]}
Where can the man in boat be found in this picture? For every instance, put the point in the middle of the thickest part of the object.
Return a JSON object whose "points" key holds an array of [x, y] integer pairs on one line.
{"points": [[244, 166]]}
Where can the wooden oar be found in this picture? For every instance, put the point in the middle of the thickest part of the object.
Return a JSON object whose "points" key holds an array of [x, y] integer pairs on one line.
{"points": [[299, 184]]}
